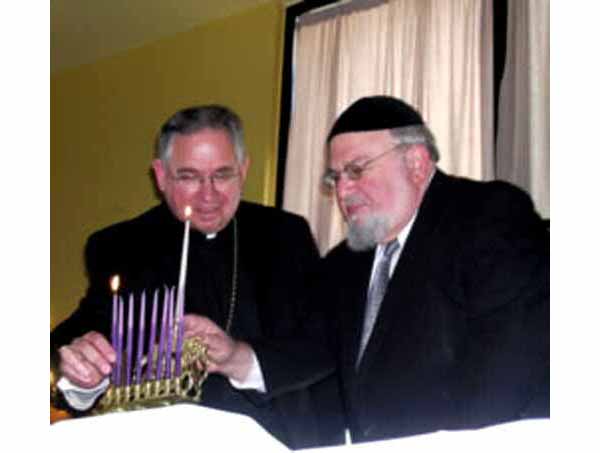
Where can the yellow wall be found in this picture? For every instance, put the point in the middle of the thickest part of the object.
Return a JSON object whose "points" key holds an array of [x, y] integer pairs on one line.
{"points": [[104, 118]]}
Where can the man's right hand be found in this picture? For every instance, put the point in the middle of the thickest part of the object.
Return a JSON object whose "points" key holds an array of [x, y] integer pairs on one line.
{"points": [[87, 360]]}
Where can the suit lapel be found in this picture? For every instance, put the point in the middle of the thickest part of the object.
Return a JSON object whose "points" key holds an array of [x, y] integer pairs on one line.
{"points": [[400, 294], [357, 269]]}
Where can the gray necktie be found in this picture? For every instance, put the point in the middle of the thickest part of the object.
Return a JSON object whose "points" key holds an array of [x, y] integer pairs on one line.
{"points": [[376, 293]]}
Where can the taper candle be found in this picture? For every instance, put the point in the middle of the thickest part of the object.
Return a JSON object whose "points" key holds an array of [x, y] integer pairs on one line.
{"points": [[184, 259], [120, 342], [114, 286], [181, 291], [163, 336], [179, 347], [152, 339], [129, 341], [170, 333], [140, 344]]}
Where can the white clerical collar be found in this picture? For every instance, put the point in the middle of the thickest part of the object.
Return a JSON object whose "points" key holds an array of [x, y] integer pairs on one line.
{"points": [[211, 236]]}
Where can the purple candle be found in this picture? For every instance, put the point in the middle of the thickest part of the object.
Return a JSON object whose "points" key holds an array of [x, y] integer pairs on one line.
{"points": [[140, 344], [152, 339], [163, 336], [119, 342], [114, 285], [170, 334], [129, 341]]}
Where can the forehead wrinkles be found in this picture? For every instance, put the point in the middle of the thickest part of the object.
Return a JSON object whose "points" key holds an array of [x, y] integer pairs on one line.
{"points": [[209, 141], [192, 170], [201, 161], [347, 155], [357, 147]]}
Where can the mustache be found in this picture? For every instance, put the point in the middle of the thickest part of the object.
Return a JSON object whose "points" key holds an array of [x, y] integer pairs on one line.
{"points": [[353, 200]]}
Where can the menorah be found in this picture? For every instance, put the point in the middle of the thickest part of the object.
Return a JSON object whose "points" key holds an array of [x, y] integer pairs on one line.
{"points": [[166, 373]]}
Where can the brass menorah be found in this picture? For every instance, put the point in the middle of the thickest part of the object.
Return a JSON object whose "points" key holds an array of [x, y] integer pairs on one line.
{"points": [[166, 372], [185, 387]]}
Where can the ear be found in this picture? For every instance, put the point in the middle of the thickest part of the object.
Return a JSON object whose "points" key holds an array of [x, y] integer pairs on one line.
{"points": [[418, 163], [244, 166], [160, 173]]}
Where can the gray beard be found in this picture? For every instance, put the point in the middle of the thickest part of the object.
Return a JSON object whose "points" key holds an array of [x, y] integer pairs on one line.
{"points": [[367, 235]]}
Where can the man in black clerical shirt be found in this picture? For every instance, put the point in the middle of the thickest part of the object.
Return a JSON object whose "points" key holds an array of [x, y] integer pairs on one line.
{"points": [[247, 273]]}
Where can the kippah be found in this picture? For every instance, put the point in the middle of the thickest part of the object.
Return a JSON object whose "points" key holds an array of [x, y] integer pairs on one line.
{"points": [[375, 113]]}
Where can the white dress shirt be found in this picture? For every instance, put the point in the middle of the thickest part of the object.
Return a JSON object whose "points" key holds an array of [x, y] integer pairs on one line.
{"points": [[401, 238]]}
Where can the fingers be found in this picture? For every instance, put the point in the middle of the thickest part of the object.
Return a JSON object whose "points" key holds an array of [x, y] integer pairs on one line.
{"points": [[219, 347], [96, 351], [199, 326], [87, 360], [74, 367], [230, 358], [102, 344]]}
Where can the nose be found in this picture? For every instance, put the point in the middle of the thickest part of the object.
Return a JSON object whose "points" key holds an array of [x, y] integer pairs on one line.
{"points": [[344, 186], [207, 190]]}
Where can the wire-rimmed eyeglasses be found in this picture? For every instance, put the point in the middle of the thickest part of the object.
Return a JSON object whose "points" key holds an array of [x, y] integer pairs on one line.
{"points": [[352, 170], [192, 180]]}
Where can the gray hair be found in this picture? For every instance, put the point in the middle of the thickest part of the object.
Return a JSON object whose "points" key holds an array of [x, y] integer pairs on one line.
{"points": [[417, 135], [366, 236], [195, 119]]}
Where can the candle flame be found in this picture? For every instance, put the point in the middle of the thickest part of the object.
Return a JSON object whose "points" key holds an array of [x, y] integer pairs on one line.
{"points": [[187, 212], [114, 283]]}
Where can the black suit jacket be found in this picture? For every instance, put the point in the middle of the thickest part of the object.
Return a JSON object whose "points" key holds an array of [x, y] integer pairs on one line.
{"points": [[462, 336], [276, 253]]}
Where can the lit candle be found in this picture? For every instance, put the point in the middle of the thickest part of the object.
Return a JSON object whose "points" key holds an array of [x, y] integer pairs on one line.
{"points": [[129, 341], [152, 339], [140, 344], [114, 285], [163, 336], [170, 333], [119, 342], [181, 291], [184, 259]]}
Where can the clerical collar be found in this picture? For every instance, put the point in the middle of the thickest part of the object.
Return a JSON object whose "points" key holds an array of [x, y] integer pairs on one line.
{"points": [[211, 236]]}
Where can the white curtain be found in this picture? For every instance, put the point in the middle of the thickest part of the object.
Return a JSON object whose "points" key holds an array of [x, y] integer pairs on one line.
{"points": [[523, 145], [434, 54]]}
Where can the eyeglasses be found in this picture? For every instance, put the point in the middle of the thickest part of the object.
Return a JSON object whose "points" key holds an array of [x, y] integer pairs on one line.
{"points": [[352, 170], [219, 179]]}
